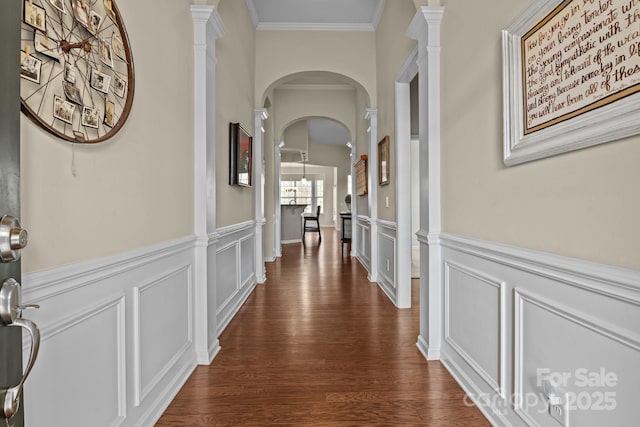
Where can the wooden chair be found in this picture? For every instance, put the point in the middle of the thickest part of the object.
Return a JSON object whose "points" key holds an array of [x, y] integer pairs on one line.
{"points": [[314, 224]]}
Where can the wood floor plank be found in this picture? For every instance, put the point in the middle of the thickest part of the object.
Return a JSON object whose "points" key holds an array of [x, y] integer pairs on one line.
{"points": [[318, 345]]}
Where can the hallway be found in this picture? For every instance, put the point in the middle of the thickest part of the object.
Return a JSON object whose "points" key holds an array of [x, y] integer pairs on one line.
{"points": [[320, 345]]}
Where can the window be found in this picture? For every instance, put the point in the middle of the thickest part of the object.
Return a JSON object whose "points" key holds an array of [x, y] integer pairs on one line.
{"points": [[310, 193]]}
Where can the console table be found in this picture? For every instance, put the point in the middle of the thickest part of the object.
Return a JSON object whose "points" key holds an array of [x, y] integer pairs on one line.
{"points": [[345, 230]]}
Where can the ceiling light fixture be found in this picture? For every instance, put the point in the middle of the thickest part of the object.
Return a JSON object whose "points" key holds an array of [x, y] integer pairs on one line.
{"points": [[349, 145]]}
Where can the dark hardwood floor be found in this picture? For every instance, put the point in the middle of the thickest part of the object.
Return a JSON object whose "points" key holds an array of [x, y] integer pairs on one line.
{"points": [[318, 345]]}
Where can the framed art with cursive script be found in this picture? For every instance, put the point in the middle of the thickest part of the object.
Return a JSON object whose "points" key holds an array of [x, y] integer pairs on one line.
{"points": [[571, 76]]}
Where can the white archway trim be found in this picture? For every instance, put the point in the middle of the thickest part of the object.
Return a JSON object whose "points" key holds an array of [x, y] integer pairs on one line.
{"points": [[258, 164], [425, 28], [207, 27]]}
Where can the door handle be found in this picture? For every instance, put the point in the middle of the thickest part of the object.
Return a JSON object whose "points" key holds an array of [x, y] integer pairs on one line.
{"points": [[11, 315]]}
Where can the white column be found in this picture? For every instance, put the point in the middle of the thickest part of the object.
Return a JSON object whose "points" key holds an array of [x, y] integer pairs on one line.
{"points": [[425, 28], [258, 173], [277, 237], [371, 114], [207, 27], [403, 195]]}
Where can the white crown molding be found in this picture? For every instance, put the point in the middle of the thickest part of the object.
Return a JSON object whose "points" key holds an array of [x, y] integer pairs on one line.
{"points": [[322, 87], [314, 26]]}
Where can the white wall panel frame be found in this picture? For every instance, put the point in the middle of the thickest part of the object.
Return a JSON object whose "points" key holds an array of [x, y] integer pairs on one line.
{"points": [[232, 239], [112, 282], [49, 331], [141, 391], [571, 305], [497, 384], [363, 225], [387, 242]]}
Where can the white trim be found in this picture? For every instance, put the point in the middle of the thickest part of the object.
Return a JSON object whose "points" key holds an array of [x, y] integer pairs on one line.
{"points": [[228, 230], [425, 27], [260, 115], [49, 283], [614, 282], [387, 224], [477, 396], [207, 28], [403, 177], [286, 242], [320, 87], [315, 26]]}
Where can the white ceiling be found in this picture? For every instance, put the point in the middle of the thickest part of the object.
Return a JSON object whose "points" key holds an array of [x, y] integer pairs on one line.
{"points": [[316, 14]]}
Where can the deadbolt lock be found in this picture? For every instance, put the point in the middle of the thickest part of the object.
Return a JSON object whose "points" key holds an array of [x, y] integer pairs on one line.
{"points": [[13, 238]]}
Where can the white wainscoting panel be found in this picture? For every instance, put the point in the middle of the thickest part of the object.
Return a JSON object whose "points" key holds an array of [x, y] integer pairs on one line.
{"points": [[235, 275], [116, 338], [162, 321], [474, 314], [513, 318], [387, 259], [363, 248], [81, 355]]}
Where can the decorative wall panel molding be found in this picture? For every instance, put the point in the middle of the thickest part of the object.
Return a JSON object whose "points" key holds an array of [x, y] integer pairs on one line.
{"points": [[235, 275], [387, 259], [100, 324], [558, 316], [363, 224], [475, 307]]}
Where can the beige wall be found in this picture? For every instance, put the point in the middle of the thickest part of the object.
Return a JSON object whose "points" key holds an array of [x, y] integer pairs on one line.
{"points": [[393, 48], [235, 53], [282, 53], [582, 204], [134, 190], [296, 137], [293, 104]]}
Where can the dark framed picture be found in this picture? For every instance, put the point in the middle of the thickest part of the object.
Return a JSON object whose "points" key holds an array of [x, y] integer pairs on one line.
{"points": [[383, 161], [240, 155]]}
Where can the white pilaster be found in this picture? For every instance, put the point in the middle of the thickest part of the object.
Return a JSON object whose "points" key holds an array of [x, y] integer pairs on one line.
{"points": [[207, 27], [425, 28], [258, 173], [403, 195], [371, 114], [277, 240]]}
